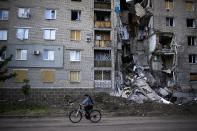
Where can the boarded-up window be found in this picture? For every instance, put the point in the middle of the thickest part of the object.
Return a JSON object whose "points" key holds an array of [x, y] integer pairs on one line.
{"points": [[20, 75], [48, 76], [75, 35], [189, 5], [75, 76], [193, 76], [169, 4]]}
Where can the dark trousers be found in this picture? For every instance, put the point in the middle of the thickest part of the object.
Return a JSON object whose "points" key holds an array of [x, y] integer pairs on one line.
{"points": [[88, 109]]}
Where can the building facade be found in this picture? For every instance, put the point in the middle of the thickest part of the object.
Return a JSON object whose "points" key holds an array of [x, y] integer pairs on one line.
{"points": [[59, 43], [162, 40]]}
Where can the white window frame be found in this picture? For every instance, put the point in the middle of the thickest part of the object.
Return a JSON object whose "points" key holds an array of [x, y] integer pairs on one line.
{"points": [[25, 51], [168, 22], [78, 75], [4, 14], [169, 4], [78, 15], [3, 56], [22, 33], [3, 35], [192, 39], [48, 14], [75, 55], [193, 23], [24, 13], [50, 55], [194, 59], [51, 35]]}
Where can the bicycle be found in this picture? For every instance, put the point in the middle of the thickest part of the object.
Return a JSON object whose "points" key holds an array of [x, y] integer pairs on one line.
{"points": [[76, 115]]}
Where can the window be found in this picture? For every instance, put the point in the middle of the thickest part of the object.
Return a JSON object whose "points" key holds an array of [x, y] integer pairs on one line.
{"points": [[3, 34], [74, 55], [169, 21], [75, 15], [3, 56], [49, 34], [20, 75], [191, 23], [192, 59], [3, 14], [50, 14], [75, 35], [102, 75], [75, 76], [191, 40], [169, 4], [21, 54], [193, 76], [22, 33], [189, 5], [48, 55], [48, 76], [23, 12]]}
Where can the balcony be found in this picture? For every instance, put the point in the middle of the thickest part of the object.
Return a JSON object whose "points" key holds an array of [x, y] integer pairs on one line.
{"points": [[102, 4], [102, 43], [102, 24], [102, 63]]}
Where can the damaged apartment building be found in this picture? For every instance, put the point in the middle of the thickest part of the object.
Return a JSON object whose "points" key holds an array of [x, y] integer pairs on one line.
{"points": [[60, 43], [158, 40]]}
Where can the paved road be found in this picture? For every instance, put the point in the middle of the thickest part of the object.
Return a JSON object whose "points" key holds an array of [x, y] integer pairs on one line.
{"points": [[106, 124]]}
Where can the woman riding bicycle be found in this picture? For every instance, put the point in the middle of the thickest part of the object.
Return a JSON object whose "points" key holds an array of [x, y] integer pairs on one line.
{"points": [[88, 105]]}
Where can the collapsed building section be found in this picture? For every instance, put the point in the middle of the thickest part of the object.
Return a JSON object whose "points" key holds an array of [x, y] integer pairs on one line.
{"points": [[149, 55]]}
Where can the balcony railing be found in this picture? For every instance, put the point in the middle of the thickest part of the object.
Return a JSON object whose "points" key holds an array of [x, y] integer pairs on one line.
{"points": [[102, 43], [102, 5], [103, 24], [98, 63]]}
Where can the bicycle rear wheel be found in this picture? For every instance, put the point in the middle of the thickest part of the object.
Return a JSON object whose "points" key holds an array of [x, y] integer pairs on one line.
{"points": [[75, 116], [95, 116]]}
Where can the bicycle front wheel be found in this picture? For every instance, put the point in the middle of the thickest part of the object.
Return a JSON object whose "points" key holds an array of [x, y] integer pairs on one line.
{"points": [[95, 116], [75, 116]]}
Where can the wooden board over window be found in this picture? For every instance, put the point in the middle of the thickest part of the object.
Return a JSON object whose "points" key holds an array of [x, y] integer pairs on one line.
{"points": [[20, 75], [75, 35], [189, 5], [48, 76], [75, 76], [193, 77]]}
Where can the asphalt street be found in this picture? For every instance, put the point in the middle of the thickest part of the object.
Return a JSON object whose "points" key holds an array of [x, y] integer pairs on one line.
{"points": [[106, 124]]}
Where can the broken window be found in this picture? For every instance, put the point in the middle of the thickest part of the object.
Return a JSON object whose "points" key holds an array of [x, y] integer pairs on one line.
{"points": [[3, 34], [20, 75], [189, 5], [21, 54], [169, 4], [192, 59], [193, 76], [3, 14], [75, 76], [191, 23], [50, 14], [49, 34], [102, 75], [169, 21], [23, 12], [75, 56], [165, 41], [75, 35], [48, 76], [102, 58], [75, 15], [22, 33], [191, 40], [48, 55]]}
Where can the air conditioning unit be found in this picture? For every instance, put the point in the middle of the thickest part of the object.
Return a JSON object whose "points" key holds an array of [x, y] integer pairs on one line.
{"points": [[36, 52]]}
